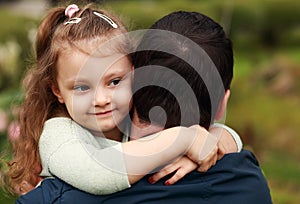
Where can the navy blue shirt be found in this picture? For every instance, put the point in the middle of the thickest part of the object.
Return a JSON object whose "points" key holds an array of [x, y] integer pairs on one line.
{"points": [[236, 178]]}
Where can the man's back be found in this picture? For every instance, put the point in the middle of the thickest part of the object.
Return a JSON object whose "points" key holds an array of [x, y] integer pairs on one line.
{"points": [[236, 178]]}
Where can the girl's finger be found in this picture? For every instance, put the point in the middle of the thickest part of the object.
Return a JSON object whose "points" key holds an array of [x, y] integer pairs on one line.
{"points": [[180, 173], [163, 172]]}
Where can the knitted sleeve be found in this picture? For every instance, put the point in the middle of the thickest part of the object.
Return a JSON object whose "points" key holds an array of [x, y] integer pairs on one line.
{"points": [[72, 154]]}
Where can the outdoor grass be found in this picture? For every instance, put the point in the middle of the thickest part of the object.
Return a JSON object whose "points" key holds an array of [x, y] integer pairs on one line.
{"points": [[6, 200], [283, 174]]}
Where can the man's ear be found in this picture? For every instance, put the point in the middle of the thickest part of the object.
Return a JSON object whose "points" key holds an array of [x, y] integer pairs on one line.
{"points": [[223, 105], [57, 93], [132, 72]]}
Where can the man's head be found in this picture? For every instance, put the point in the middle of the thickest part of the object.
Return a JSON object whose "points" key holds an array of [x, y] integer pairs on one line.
{"points": [[181, 52]]}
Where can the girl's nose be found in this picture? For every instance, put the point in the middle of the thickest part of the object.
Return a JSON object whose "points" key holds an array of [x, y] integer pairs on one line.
{"points": [[102, 97]]}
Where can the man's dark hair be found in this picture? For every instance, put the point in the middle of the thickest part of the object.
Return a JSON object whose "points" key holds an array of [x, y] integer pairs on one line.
{"points": [[163, 59]]}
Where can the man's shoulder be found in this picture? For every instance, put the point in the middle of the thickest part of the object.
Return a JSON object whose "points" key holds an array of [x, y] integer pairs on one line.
{"points": [[243, 159], [49, 190], [236, 178]]}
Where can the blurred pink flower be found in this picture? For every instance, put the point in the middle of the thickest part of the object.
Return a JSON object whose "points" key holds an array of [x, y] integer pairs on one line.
{"points": [[3, 121], [13, 130]]}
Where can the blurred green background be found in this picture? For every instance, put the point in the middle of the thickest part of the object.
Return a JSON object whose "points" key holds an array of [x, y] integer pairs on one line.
{"points": [[265, 96]]}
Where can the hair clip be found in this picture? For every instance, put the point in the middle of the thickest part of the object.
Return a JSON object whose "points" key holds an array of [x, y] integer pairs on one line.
{"points": [[107, 19], [72, 20], [71, 9]]}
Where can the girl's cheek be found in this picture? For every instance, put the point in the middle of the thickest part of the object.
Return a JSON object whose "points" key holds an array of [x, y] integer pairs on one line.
{"points": [[80, 104]]}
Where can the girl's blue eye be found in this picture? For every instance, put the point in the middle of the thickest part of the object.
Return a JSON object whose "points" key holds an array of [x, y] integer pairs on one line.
{"points": [[81, 88], [114, 82]]}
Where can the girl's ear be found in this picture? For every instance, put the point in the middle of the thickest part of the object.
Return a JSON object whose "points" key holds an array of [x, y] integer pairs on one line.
{"points": [[57, 93], [223, 105]]}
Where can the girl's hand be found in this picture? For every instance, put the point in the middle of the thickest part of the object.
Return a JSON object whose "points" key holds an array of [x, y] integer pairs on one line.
{"points": [[204, 149], [221, 149], [181, 167], [209, 161]]}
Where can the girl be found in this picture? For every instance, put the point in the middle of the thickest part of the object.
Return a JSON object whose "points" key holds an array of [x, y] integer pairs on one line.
{"points": [[77, 98]]}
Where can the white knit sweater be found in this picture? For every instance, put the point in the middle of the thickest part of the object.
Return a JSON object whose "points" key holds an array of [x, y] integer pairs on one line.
{"points": [[71, 153]]}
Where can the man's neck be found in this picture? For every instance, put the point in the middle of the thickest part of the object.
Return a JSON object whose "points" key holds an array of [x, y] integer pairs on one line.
{"points": [[140, 129]]}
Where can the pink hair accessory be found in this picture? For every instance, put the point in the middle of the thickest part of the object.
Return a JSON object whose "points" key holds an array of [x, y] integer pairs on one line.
{"points": [[71, 9]]}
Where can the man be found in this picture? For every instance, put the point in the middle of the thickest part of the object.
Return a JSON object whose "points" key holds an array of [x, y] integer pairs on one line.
{"points": [[176, 83]]}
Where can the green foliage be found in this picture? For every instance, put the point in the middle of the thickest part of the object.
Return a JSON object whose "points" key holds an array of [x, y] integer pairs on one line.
{"points": [[249, 22], [15, 47], [141, 14], [282, 172], [5, 199], [266, 22]]}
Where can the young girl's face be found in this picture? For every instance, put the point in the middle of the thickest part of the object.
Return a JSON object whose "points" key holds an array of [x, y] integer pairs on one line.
{"points": [[96, 90]]}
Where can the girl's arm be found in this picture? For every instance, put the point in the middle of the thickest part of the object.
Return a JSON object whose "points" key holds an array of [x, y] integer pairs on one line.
{"points": [[73, 154], [144, 155]]}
